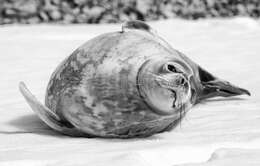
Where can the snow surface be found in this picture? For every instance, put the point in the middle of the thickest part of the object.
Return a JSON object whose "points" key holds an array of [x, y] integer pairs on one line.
{"points": [[217, 132]]}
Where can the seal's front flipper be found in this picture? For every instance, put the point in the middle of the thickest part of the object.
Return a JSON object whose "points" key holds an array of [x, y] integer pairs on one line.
{"points": [[46, 115], [213, 87]]}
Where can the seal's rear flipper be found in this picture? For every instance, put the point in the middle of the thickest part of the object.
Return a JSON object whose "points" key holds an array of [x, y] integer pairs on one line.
{"points": [[138, 25], [213, 87], [46, 115]]}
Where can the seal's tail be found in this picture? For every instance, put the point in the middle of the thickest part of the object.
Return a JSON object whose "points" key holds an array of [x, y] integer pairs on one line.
{"points": [[46, 115]]}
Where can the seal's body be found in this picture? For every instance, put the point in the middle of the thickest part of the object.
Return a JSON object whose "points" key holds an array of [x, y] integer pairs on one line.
{"points": [[125, 84]]}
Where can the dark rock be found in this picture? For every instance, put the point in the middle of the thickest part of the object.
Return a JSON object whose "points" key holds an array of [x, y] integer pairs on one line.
{"points": [[68, 18], [33, 20], [10, 12], [55, 15], [43, 16], [26, 7]]}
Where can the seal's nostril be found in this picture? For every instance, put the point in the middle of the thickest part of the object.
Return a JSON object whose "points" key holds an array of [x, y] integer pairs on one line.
{"points": [[186, 85], [182, 81]]}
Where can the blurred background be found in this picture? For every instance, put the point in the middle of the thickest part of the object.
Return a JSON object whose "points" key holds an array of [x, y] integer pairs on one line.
{"points": [[112, 11]]}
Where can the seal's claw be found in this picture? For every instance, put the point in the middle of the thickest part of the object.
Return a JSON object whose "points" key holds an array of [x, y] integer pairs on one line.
{"points": [[233, 91], [244, 91], [228, 89]]}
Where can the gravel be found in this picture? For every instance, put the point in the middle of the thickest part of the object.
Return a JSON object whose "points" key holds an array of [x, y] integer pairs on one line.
{"points": [[112, 11]]}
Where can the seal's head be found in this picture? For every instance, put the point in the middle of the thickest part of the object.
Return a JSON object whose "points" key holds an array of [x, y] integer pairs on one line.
{"points": [[165, 85]]}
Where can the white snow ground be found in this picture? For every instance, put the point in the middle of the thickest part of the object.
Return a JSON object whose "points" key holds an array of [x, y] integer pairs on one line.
{"points": [[218, 132]]}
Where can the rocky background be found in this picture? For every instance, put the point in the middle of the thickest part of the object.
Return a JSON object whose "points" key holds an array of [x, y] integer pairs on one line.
{"points": [[110, 11]]}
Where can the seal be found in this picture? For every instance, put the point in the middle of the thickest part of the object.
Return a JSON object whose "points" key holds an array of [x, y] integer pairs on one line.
{"points": [[125, 84]]}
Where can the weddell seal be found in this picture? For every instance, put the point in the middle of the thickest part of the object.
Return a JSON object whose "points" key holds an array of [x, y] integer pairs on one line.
{"points": [[124, 84]]}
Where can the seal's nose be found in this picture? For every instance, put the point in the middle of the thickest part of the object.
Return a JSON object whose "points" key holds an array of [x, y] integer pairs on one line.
{"points": [[182, 81]]}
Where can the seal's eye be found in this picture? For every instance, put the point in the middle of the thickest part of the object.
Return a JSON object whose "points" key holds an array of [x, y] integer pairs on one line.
{"points": [[171, 68]]}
